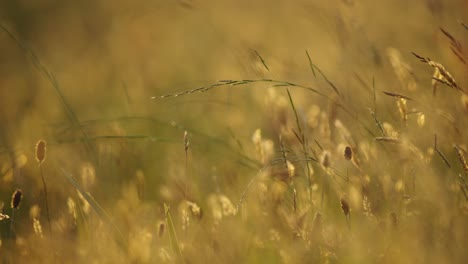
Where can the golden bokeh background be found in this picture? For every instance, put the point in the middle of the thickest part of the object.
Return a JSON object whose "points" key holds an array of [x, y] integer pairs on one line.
{"points": [[87, 76]]}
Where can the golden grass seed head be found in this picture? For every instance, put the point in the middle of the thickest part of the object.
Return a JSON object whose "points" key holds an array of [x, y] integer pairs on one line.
{"points": [[41, 150], [37, 227], [88, 175], [291, 169], [421, 120], [34, 211], [20, 160], [227, 206], [195, 209], [313, 116], [4, 216], [16, 199], [72, 208], [401, 104], [186, 140]]}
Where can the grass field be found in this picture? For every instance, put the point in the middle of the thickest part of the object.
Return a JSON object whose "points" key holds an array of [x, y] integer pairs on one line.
{"points": [[223, 131]]}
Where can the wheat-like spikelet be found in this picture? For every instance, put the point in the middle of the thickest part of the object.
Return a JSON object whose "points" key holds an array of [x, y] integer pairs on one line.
{"points": [[37, 227], [440, 73], [462, 159], [401, 103]]}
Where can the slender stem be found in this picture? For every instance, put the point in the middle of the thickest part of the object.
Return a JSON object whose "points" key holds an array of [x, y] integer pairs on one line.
{"points": [[45, 198]]}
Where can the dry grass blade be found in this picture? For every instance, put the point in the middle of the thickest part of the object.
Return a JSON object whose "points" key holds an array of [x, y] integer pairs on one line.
{"points": [[463, 186], [53, 81], [378, 123], [464, 25], [327, 80], [311, 64], [388, 139], [399, 96], [441, 155], [276, 83], [304, 142], [262, 60], [96, 207], [455, 47]]}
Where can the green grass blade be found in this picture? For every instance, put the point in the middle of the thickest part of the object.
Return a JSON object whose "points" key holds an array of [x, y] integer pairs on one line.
{"points": [[172, 232], [97, 208]]}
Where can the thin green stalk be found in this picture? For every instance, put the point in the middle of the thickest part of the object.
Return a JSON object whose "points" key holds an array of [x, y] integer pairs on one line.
{"points": [[97, 208], [172, 233]]}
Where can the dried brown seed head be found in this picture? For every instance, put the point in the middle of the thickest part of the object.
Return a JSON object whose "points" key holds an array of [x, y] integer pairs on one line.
{"points": [[16, 198], [348, 153], [41, 151], [161, 228], [344, 206]]}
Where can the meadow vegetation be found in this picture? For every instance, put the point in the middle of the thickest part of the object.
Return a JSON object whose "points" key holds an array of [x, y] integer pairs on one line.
{"points": [[234, 131]]}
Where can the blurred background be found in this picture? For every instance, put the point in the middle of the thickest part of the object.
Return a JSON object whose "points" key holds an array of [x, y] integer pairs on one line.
{"points": [[87, 76]]}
